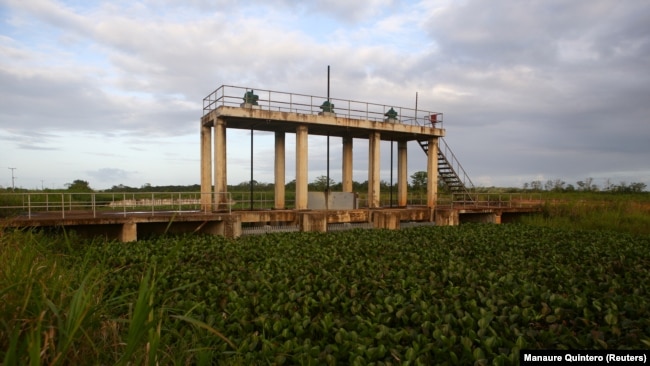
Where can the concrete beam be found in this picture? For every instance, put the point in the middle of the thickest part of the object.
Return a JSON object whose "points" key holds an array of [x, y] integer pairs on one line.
{"points": [[245, 118]]}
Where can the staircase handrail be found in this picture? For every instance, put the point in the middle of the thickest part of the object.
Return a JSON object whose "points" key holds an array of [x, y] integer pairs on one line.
{"points": [[455, 164]]}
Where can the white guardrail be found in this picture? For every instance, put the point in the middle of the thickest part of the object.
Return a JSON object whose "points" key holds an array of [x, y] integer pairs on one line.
{"points": [[234, 96], [33, 205], [57, 204]]}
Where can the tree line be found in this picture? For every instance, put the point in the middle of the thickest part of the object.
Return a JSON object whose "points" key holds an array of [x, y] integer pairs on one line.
{"points": [[417, 183], [586, 185]]}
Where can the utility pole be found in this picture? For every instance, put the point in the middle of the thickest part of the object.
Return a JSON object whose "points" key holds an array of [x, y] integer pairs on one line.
{"points": [[13, 179]]}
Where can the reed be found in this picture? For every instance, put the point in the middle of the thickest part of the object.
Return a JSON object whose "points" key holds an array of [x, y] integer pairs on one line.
{"points": [[611, 215], [54, 308]]}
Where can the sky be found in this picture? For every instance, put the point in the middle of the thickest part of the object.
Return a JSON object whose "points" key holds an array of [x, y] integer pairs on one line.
{"points": [[111, 91]]}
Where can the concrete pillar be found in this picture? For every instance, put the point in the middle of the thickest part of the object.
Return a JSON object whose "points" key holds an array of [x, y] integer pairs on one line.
{"points": [[301, 167], [129, 232], [279, 171], [347, 164], [220, 174], [373, 169], [432, 172], [206, 167], [402, 174]]}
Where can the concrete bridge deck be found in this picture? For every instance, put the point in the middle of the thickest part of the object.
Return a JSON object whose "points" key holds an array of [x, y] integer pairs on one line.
{"points": [[141, 221]]}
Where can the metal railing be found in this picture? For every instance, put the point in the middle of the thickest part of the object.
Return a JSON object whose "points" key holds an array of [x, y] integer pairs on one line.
{"points": [[63, 205], [495, 200], [233, 96], [36, 205], [454, 164]]}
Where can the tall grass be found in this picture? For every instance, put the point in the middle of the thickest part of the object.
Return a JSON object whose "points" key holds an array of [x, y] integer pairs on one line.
{"points": [[54, 309], [623, 215], [45, 307]]}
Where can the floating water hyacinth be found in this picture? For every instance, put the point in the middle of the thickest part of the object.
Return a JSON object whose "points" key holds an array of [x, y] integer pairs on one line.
{"points": [[474, 294]]}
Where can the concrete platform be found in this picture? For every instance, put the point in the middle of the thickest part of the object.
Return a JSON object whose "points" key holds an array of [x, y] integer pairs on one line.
{"points": [[139, 225]]}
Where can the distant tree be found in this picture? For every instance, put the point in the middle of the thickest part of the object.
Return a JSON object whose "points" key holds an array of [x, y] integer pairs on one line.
{"points": [[320, 183], [558, 185], [536, 185], [419, 180], [291, 186], [360, 187], [247, 183], [620, 188], [587, 185], [635, 187], [79, 185], [638, 187], [608, 185], [443, 188], [548, 185]]}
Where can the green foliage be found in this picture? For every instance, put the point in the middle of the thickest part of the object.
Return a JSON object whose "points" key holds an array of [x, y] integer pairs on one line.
{"points": [[321, 183], [79, 185], [623, 215], [419, 180], [46, 309], [474, 294]]}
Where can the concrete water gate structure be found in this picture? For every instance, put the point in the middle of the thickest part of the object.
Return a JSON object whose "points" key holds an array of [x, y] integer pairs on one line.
{"points": [[282, 113], [128, 217]]}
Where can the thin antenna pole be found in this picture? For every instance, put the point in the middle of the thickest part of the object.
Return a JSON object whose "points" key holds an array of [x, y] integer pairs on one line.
{"points": [[391, 174], [251, 170], [416, 107], [327, 185], [13, 179], [328, 83]]}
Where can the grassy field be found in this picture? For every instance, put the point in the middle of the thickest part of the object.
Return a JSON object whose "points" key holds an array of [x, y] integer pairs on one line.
{"points": [[474, 294], [629, 213]]}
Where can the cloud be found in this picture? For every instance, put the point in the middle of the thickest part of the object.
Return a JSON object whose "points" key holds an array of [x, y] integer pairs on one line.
{"points": [[111, 174], [526, 87]]}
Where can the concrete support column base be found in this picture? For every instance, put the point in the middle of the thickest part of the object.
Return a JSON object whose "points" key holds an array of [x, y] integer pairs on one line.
{"points": [[446, 218], [232, 227], [129, 232], [313, 221], [386, 220]]}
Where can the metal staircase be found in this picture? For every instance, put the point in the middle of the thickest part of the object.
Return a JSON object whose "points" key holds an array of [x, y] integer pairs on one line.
{"points": [[449, 169]]}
